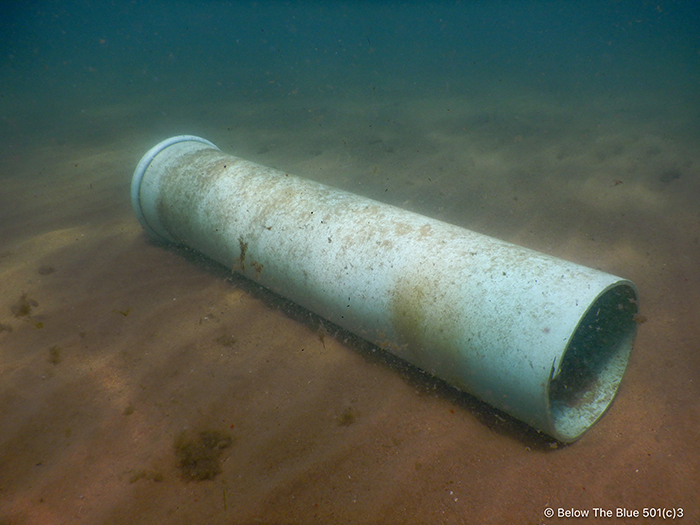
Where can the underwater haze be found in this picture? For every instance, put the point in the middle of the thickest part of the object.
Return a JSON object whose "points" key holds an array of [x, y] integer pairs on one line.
{"points": [[143, 383]]}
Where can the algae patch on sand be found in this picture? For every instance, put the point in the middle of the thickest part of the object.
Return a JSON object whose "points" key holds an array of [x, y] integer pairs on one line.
{"points": [[23, 307], [55, 355], [150, 475], [347, 417], [199, 457]]}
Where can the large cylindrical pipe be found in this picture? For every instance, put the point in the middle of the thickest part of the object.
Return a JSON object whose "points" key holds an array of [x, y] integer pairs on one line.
{"points": [[540, 338]]}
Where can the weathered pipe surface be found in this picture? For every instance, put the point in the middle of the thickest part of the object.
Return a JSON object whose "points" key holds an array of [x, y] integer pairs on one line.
{"points": [[540, 338]]}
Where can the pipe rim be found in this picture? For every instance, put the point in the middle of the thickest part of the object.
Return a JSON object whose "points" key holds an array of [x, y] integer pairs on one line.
{"points": [[582, 387], [140, 172]]}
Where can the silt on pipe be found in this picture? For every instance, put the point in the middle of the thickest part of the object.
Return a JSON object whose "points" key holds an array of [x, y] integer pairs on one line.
{"points": [[540, 338]]}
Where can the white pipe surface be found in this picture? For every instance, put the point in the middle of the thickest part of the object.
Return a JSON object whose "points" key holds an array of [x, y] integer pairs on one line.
{"points": [[540, 338]]}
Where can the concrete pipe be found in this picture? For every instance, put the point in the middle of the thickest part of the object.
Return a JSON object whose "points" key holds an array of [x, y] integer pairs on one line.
{"points": [[540, 338]]}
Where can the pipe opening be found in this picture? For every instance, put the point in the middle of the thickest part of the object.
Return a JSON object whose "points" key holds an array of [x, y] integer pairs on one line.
{"points": [[594, 362]]}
